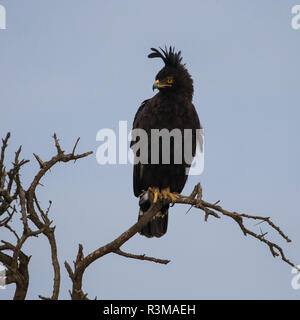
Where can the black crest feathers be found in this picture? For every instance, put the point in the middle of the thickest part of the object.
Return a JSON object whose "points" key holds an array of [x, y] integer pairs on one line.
{"points": [[169, 57]]}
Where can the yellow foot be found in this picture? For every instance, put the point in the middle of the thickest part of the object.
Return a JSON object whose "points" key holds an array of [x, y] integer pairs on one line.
{"points": [[156, 194], [166, 194]]}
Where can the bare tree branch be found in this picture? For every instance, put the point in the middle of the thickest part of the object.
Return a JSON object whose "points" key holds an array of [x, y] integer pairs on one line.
{"points": [[140, 257], [82, 262], [29, 210], [31, 202], [210, 209], [16, 274], [195, 200]]}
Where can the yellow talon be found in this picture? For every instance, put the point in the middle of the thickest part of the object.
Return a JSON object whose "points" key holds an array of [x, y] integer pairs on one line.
{"points": [[163, 194], [155, 197], [156, 194], [169, 195]]}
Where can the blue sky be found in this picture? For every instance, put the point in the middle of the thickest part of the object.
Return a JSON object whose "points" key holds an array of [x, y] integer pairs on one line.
{"points": [[75, 67]]}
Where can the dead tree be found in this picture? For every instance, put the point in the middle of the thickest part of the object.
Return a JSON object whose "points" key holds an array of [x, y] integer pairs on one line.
{"points": [[16, 201], [35, 221]]}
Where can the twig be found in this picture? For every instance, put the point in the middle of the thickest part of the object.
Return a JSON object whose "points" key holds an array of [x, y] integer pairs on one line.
{"points": [[140, 257]]}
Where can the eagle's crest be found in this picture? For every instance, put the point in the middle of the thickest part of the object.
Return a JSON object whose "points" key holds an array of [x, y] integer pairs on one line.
{"points": [[169, 57]]}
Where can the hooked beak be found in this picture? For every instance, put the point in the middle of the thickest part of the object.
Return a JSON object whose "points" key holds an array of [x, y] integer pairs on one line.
{"points": [[160, 84], [155, 85]]}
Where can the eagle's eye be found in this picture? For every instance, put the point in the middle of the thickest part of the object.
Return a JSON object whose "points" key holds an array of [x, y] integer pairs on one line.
{"points": [[170, 80]]}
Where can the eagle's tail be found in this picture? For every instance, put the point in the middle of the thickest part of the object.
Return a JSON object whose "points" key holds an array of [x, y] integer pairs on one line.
{"points": [[158, 226]]}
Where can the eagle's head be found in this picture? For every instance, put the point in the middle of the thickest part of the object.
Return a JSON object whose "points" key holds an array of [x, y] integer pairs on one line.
{"points": [[173, 78]]}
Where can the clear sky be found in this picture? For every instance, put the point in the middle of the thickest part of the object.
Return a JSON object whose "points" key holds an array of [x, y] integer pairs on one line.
{"points": [[75, 67]]}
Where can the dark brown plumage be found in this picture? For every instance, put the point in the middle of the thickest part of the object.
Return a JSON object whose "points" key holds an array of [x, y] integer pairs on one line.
{"points": [[170, 108]]}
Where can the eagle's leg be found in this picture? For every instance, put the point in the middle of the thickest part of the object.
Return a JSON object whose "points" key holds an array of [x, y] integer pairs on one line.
{"points": [[156, 194], [167, 194]]}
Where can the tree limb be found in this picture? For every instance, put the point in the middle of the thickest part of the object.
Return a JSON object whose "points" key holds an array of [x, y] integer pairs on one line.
{"points": [[195, 200], [29, 210]]}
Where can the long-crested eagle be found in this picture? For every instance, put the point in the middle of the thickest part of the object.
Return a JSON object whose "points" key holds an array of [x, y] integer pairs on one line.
{"points": [[171, 108]]}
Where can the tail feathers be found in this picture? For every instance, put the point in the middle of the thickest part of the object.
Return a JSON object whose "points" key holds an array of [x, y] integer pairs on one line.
{"points": [[158, 226]]}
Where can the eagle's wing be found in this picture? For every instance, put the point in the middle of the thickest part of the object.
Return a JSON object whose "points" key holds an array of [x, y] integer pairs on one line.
{"points": [[138, 167], [144, 120], [138, 115]]}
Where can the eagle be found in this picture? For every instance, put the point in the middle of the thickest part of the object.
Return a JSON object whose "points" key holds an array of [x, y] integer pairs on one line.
{"points": [[171, 108]]}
